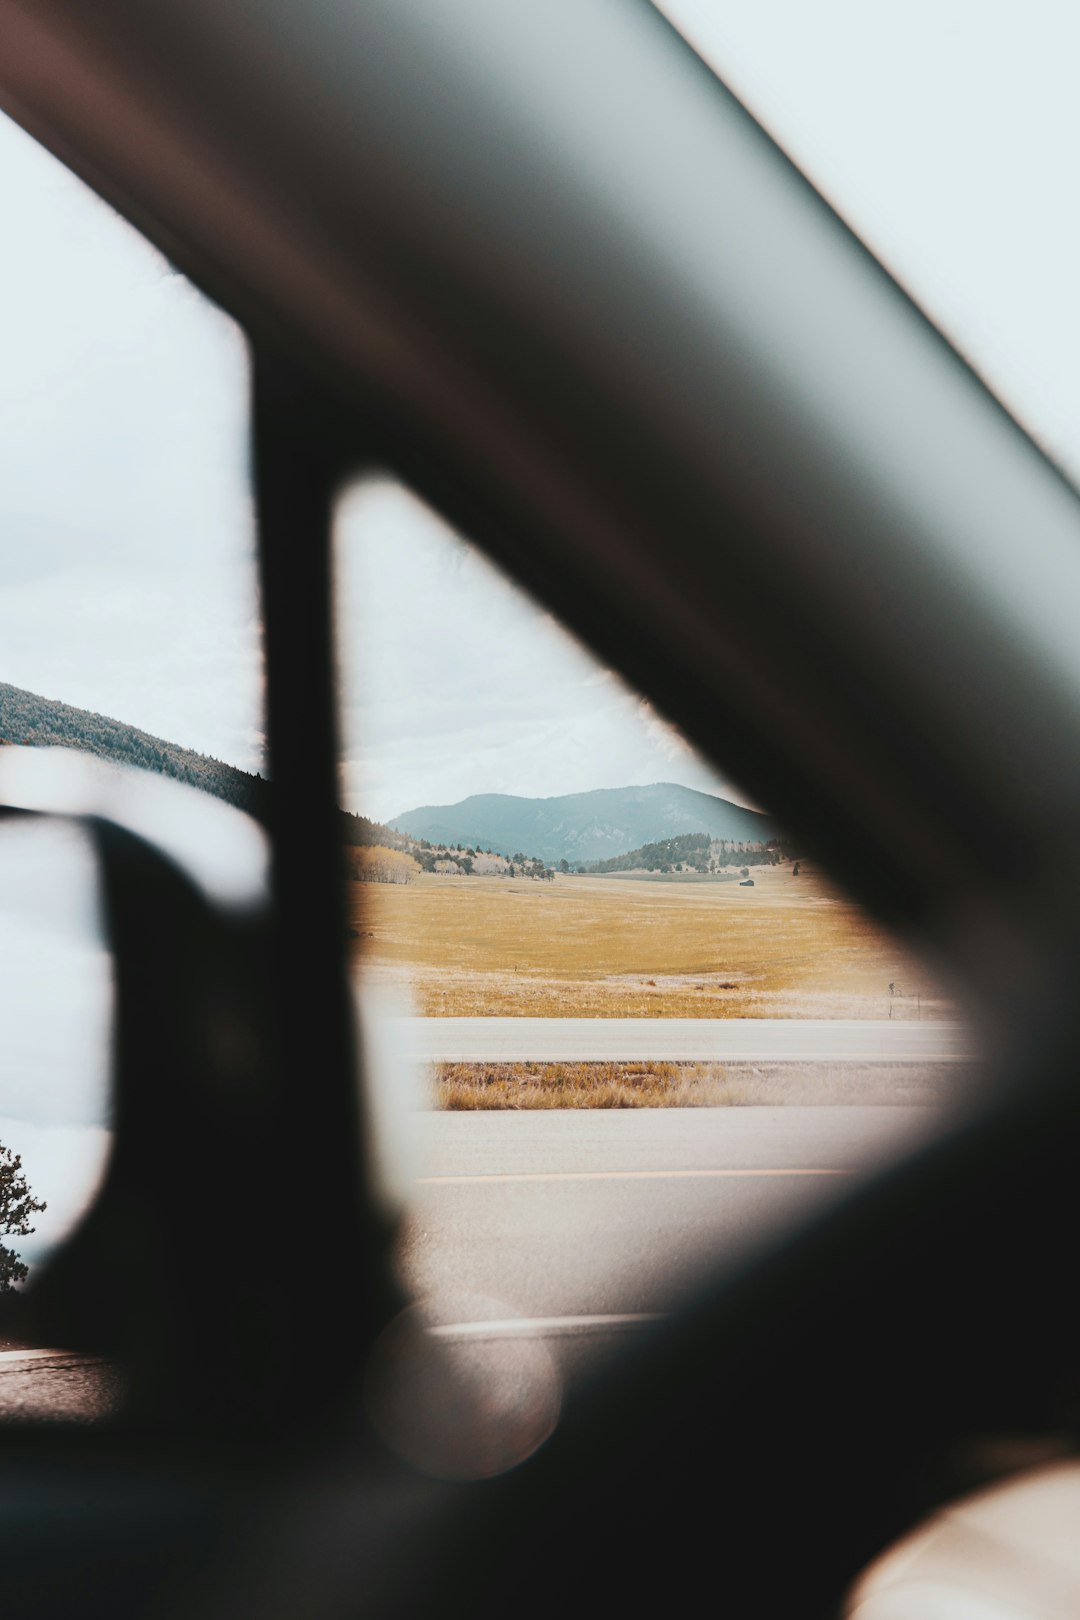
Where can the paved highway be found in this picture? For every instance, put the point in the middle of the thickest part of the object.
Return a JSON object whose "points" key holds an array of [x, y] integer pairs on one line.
{"points": [[540, 1242], [586, 1213], [48, 1386], [557, 1234], [748, 1040]]}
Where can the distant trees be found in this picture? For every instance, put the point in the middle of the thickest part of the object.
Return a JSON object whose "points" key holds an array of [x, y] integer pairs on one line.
{"points": [[564, 866], [356, 829], [488, 865], [17, 1204], [455, 860], [360, 834], [692, 848], [373, 863], [691, 852]]}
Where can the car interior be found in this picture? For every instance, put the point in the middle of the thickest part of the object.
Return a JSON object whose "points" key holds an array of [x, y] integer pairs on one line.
{"points": [[537, 262]]}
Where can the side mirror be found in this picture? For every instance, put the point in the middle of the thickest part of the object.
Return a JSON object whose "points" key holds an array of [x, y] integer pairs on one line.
{"points": [[171, 1261]]}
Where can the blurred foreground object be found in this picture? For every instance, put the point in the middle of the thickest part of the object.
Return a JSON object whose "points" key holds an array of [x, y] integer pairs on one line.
{"points": [[1008, 1553]]}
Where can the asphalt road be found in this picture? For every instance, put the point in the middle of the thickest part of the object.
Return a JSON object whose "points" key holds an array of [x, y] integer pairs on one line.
{"points": [[585, 1213], [50, 1386], [540, 1243], [542, 1239], [756, 1040]]}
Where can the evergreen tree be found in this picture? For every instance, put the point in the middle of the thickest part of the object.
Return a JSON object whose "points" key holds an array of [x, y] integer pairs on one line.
{"points": [[17, 1204]]}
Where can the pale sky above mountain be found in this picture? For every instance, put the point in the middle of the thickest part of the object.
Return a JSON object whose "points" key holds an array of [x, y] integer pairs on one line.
{"points": [[455, 683]]}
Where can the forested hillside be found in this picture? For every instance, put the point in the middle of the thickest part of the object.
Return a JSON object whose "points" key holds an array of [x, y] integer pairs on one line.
{"points": [[693, 852], [39, 722]]}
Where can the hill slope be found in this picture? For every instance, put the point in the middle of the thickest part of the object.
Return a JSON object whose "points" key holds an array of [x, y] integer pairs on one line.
{"points": [[42, 722], [37, 722], [584, 826]]}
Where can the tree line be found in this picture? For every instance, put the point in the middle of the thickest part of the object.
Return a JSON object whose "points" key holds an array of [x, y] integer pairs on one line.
{"points": [[378, 854], [692, 852]]}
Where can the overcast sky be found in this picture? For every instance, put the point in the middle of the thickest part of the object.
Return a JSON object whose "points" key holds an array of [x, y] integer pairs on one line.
{"points": [[946, 130], [126, 565]]}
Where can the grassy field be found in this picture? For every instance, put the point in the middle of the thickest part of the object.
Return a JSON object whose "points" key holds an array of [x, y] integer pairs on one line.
{"points": [[592, 947], [469, 1086]]}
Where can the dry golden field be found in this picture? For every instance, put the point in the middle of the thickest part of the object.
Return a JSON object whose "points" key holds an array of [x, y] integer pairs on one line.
{"points": [[472, 1086], [593, 947]]}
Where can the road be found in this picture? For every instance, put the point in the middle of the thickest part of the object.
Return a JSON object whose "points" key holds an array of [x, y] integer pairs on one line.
{"points": [[543, 1239], [747, 1040], [589, 1213], [50, 1386], [541, 1242]]}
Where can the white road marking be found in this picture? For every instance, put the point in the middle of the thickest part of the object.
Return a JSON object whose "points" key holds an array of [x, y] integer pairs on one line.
{"points": [[547, 1327], [616, 1175]]}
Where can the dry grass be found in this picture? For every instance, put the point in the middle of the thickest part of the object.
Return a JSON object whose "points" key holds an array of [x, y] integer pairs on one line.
{"points": [[615, 947], [467, 1086]]}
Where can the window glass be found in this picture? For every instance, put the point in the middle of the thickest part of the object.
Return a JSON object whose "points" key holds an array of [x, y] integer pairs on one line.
{"points": [[652, 1030], [128, 628]]}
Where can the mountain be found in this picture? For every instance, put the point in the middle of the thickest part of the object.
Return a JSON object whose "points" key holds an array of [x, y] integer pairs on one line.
{"points": [[43, 722], [576, 827], [579, 827]]}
